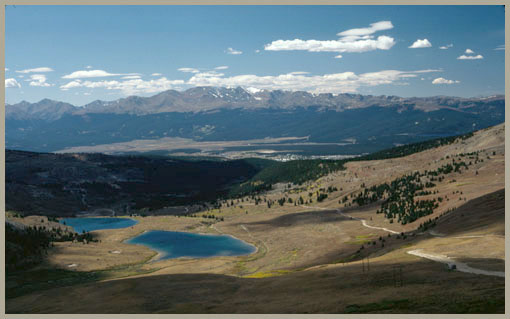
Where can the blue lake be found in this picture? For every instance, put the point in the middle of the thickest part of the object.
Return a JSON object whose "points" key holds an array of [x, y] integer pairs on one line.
{"points": [[95, 223], [180, 244]]}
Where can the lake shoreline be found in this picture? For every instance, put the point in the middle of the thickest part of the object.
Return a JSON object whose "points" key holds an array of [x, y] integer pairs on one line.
{"points": [[224, 239]]}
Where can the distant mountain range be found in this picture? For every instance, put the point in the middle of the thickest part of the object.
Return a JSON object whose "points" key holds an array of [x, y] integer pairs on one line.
{"points": [[223, 114], [201, 99]]}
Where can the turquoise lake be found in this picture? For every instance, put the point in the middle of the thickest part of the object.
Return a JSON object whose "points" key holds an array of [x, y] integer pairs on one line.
{"points": [[180, 244], [96, 223]]}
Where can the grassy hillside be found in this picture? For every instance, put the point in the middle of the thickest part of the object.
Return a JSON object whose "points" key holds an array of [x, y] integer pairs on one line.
{"points": [[300, 171]]}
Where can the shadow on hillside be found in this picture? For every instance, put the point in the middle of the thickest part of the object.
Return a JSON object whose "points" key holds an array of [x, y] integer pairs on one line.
{"points": [[331, 290], [479, 213], [309, 217]]}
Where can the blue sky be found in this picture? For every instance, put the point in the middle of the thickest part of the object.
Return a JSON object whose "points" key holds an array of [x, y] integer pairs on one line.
{"points": [[79, 54]]}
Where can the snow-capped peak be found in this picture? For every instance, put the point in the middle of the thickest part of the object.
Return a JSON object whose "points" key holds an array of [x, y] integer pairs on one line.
{"points": [[253, 90]]}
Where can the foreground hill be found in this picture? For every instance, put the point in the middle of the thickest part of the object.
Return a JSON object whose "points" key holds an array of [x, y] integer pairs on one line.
{"points": [[194, 286], [322, 254]]}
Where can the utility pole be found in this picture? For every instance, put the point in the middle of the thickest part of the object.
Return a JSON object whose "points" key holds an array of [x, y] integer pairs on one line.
{"points": [[367, 264], [397, 276]]}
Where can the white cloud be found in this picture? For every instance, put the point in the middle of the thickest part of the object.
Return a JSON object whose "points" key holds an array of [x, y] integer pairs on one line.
{"points": [[38, 80], [12, 83], [338, 56], [6, 69], [233, 51], [156, 74], [88, 67], [381, 43], [500, 47], [222, 67], [374, 27], [91, 74], [257, 51], [70, 85], [298, 73], [188, 70], [131, 77], [446, 47], [420, 44], [444, 81], [330, 83], [87, 93], [469, 51], [36, 70], [353, 40], [209, 74], [128, 87], [470, 57]]}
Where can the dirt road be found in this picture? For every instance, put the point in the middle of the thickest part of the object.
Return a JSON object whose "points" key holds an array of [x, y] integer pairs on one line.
{"points": [[363, 221], [459, 265]]}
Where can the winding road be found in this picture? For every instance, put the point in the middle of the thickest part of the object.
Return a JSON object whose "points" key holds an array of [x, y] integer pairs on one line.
{"points": [[435, 257], [459, 265], [363, 221]]}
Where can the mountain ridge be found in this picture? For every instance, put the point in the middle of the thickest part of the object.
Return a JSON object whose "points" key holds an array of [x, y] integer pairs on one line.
{"points": [[208, 98]]}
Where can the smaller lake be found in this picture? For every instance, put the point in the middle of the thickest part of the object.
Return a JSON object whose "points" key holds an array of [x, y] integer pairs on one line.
{"points": [[96, 223], [180, 244]]}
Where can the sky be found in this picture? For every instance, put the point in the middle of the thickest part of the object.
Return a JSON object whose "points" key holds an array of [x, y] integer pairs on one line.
{"points": [[78, 54]]}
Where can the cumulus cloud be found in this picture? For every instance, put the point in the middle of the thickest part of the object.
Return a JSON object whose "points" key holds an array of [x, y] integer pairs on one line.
{"points": [[423, 43], [470, 57], [353, 40], [444, 81], [91, 74], [38, 80], [222, 67], [327, 83], [70, 85], [298, 80], [188, 70], [128, 87], [446, 47], [12, 83], [234, 51], [36, 70], [338, 56], [469, 51]]}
